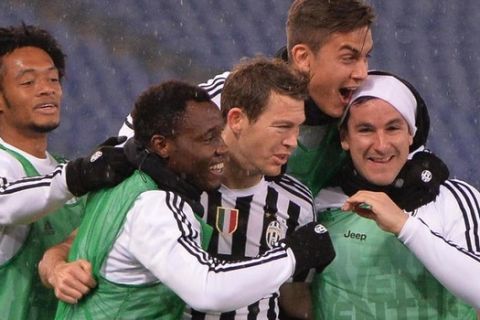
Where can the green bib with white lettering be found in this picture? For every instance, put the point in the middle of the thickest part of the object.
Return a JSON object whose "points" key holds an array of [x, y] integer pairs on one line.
{"points": [[374, 276]]}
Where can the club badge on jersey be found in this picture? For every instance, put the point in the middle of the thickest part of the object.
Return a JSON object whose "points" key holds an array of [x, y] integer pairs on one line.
{"points": [[227, 220], [273, 233]]}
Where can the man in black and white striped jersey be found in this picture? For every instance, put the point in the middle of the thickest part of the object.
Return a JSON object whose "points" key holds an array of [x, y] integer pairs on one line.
{"points": [[262, 104]]}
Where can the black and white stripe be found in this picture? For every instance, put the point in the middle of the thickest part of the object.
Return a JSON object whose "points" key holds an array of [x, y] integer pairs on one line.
{"points": [[176, 205], [283, 199], [215, 86], [467, 200], [28, 183]]}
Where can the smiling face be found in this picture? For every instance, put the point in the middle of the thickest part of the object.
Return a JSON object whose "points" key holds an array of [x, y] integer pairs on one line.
{"points": [[197, 150], [30, 92], [262, 147], [378, 139], [337, 69]]}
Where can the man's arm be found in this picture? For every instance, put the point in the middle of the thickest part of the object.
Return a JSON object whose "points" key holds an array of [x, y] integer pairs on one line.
{"points": [[26, 200], [70, 280], [168, 245], [444, 252]]}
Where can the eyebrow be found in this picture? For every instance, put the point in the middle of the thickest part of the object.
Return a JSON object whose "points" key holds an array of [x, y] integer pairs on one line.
{"points": [[354, 50], [21, 73]]}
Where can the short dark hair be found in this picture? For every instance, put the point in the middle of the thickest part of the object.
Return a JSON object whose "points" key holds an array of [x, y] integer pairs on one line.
{"points": [[159, 109], [12, 38], [310, 22], [252, 81]]}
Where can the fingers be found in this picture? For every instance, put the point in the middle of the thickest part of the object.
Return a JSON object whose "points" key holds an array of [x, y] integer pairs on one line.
{"points": [[72, 280]]}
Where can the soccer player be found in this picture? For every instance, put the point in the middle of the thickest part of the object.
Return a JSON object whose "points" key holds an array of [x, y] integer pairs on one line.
{"points": [[143, 238], [262, 104], [31, 68], [406, 235], [331, 41]]}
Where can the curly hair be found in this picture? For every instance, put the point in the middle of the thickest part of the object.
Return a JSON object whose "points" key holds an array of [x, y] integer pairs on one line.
{"points": [[159, 109], [12, 38]]}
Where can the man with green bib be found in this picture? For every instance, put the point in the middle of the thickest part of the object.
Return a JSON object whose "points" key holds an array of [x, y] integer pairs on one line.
{"points": [[145, 239], [31, 68], [406, 236]]}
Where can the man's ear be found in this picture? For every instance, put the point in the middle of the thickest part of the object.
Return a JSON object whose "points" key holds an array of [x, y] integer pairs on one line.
{"points": [[236, 120], [300, 57], [345, 145], [161, 145], [3, 103]]}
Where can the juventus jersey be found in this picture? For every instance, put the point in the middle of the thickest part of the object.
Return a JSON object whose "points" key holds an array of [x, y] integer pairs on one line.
{"points": [[247, 222]]}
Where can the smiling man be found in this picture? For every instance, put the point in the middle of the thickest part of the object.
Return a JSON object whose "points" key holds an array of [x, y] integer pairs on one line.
{"points": [[143, 237], [31, 68], [31, 216], [406, 236]]}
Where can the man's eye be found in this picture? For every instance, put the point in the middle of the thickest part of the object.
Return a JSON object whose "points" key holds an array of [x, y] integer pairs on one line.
{"points": [[26, 83]]}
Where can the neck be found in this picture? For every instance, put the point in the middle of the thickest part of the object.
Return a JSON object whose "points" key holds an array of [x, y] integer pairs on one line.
{"points": [[237, 177], [34, 143]]}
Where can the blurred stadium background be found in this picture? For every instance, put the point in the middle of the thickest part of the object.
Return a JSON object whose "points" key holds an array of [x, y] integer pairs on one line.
{"points": [[116, 49]]}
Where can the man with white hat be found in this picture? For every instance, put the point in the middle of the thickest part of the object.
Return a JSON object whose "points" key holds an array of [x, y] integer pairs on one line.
{"points": [[406, 236]]}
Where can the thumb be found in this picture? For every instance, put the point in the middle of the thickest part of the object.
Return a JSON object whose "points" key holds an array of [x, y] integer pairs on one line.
{"points": [[87, 267]]}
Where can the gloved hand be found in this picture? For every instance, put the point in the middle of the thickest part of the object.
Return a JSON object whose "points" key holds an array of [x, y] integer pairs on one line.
{"points": [[419, 181], [105, 167], [312, 247]]}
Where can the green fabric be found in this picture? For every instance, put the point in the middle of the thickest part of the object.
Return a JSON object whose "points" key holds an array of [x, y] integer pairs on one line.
{"points": [[22, 296], [316, 166], [105, 215], [374, 276]]}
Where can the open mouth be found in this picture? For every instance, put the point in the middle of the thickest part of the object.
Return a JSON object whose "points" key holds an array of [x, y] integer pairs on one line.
{"points": [[216, 168], [346, 94], [381, 160]]}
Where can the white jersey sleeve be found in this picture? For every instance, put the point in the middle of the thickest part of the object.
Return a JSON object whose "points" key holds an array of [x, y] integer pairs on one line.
{"points": [[445, 237], [213, 86], [162, 235], [28, 199]]}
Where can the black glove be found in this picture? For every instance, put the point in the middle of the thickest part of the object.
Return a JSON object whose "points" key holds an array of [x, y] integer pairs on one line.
{"points": [[105, 167], [419, 181], [312, 247]]}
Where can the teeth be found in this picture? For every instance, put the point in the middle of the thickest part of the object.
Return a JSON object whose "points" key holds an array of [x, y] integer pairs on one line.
{"points": [[217, 167]]}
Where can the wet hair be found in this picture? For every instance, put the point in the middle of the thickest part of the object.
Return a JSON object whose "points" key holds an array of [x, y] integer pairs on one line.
{"points": [[251, 83], [160, 109], [12, 38], [311, 22]]}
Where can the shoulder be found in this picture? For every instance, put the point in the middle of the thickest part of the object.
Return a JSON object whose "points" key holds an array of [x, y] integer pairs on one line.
{"points": [[458, 195], [458, 191], [292, 187], [329, 198], [214, 87], [161, 205], [10, 167]]}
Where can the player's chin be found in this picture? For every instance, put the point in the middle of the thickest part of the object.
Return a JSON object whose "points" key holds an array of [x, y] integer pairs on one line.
{"points": [[272, 170], [45, 126]]}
